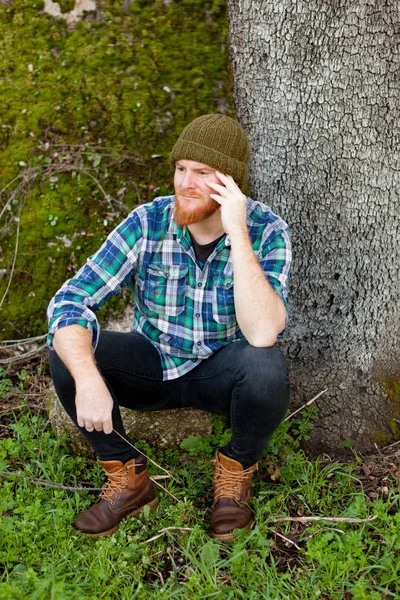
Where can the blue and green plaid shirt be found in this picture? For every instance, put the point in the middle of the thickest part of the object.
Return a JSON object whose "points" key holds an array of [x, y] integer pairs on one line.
{"points": [[186, 310]]}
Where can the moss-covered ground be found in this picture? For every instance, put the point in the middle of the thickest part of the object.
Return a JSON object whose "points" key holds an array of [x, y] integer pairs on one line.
{"points": [[87, 119]]}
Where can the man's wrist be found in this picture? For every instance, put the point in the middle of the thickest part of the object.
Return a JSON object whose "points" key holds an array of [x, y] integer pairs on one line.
{"points": [[85, 377], [239, 234]]}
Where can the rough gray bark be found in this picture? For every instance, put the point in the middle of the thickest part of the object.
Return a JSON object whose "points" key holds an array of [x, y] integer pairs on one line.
{"points": [[317, 88]]}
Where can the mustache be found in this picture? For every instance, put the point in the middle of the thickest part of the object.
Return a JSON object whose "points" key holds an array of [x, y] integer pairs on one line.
{"points": [[183, 192]]}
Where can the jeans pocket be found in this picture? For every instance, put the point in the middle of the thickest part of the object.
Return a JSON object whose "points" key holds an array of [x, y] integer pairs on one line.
{"points": [[223, 299]]}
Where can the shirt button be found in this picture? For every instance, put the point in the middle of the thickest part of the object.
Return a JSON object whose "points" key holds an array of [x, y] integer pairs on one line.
{"points": [[199, 343], [197, 315], [199, 284]]}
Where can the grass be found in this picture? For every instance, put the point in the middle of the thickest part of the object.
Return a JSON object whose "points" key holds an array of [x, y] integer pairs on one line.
{"points": [[42, 556]]}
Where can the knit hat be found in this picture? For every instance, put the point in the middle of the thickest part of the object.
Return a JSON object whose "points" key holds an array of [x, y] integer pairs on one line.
{"points": [[217, 141]]}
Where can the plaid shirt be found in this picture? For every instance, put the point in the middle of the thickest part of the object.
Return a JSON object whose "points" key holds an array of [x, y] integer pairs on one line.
{"points": [[187, 312]]}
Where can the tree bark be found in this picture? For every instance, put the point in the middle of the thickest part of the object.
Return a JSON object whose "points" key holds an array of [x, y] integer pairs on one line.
{"points": [[317, 88]]}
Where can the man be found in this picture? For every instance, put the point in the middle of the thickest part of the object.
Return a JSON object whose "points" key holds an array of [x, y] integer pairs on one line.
{"points": [[208, 269]]}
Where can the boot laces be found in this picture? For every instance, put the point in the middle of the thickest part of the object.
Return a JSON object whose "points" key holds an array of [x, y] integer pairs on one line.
{"points": [[228, 484], [116, 484]]}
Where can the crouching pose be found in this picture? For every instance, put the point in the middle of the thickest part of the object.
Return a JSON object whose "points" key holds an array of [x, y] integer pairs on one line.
{"points": [[208, 270]]}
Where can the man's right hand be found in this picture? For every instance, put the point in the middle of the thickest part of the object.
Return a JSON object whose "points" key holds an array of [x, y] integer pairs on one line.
{"points": [[94, 405], [93, 401]]}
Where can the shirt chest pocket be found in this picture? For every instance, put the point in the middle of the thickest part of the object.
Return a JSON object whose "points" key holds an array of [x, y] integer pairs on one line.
{"points": [[223, 299], [164, 289]]}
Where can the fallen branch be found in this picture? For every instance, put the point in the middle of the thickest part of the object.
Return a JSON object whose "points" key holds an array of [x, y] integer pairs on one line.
{"points": [[166, 530], [52, 484], [391, 445], [23, 357], [306, 404], [11, 343], [287, 539], [43, 483], [315, 519], [15, 255]]}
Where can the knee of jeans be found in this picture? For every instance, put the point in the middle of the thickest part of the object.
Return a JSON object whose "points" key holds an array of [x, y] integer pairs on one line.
{"points": [[57, 368], [266, 370], [264, 360]]}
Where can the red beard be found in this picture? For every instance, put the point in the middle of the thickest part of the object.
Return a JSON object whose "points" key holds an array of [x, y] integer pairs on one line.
{"points": [[184, 215]]}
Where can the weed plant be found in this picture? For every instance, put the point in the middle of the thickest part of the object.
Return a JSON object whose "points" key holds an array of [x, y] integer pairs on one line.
{"points": [[169, 554]]}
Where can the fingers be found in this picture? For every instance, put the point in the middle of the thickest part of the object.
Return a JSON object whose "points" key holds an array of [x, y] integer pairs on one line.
{"points": [[105, 425], [108, 427], [219, 187], [227, 188], [228, 182]]}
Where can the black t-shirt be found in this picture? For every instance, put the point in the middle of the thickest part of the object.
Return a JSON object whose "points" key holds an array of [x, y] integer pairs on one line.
{"points": [[203, 251]]}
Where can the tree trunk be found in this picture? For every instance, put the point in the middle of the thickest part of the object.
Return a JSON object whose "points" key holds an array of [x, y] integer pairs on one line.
{"points": [[317, 88]]}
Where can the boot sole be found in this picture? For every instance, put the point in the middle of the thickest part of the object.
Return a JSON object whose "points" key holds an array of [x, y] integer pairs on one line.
{"points": [[229, 537], [152, 505]]}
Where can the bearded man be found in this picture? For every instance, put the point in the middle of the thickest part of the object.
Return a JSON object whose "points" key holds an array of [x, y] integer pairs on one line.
{"points": [[208, 269]]}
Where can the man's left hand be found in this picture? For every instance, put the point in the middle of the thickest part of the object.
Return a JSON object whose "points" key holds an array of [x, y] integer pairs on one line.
{"points": [[232, 203]]}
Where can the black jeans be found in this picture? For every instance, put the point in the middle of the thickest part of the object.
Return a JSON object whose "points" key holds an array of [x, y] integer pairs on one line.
{"points": [[250, 385]]}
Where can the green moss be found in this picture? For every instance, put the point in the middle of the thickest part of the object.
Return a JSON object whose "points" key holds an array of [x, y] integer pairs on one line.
{"points": [[381, 437], [66, 5], [99, 103], [392, 389]]}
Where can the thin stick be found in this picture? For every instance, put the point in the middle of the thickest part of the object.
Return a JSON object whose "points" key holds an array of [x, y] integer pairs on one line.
{"points": [[306, 404], [331, 519], [15, 255], [11, 83], [378, 449], [44, 483], [145, 455], [107, 197], [391, 445], [166, 491], [52, 484], [163, 531], [23, 357], [24, 340], [287, 539], [13, 195], [160, 576]]}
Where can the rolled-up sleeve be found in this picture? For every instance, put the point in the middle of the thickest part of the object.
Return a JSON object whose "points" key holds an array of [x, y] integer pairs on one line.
{"points": [[104, 275], [276, 258]]}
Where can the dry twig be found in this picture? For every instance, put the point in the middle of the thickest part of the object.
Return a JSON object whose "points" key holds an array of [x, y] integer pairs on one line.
{"points": [[52, 484], [166, 530], [286, 539], [11, 343], [315, 519], [21, 358], [15, 255], [43, 483], [166, 491], [306, 404]]}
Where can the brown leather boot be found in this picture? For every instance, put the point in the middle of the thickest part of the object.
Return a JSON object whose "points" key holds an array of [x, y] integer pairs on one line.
{"points": [[231, 497], [126, 493]]}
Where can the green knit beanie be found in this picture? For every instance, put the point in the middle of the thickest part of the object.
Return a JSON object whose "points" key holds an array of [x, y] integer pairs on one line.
{"points": [[217, 141]]}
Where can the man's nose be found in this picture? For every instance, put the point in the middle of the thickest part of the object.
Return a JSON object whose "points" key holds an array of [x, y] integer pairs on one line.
{"points": [[188, 181]]}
